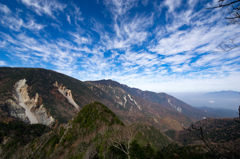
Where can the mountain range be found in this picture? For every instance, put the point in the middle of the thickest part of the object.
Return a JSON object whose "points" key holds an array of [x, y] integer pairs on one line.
{"points": [[221, 112], [54, 97], [164, 99], [46, 114], [220, 99]]}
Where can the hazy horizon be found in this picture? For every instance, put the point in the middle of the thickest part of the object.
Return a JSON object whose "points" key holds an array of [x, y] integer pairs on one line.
{"points": [[213, 100]]}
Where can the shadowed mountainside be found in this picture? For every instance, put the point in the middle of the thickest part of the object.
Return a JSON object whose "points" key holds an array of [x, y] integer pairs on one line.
{"points": [[86, 136], [43, 83], [160, 98]]}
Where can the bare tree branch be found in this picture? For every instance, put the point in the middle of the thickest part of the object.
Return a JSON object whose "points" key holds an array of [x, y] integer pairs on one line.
{"points": [[201, 137], [122, 140], [220, 2]]}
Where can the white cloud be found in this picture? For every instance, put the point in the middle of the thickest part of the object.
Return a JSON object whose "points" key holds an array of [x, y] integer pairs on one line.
{"points": [[32, 25], [172, 4], [120, 7], [131, 31], [208, 59], [79, 39], [44, 6], [2, 63], [4, 9], [182, 68], [177, 59], [211, 101], [137, 49], [14, 22], [138, 58], [204, 33], [68, 19]]}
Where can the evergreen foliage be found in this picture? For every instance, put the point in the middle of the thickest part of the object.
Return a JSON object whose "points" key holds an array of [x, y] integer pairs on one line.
{"points": [[19, 134]]}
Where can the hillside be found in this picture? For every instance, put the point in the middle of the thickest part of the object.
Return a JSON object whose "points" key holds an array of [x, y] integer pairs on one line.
{"points": [[87, 136], [146, 111], [17, 134], [221, 134], [41, 81], [163, 99], [217, 130], [49, 97]]}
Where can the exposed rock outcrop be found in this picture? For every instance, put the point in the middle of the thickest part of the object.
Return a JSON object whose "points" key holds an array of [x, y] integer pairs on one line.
{"points": [[15, 110], [67, 94], [25, 108], [179, 109], [139, 107]]}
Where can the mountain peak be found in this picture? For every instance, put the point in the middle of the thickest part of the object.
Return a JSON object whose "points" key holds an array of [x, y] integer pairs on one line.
{"points": [[95, 115]]}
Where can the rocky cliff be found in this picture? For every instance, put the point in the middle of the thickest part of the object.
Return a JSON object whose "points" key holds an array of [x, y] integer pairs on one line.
{"points": [[25, 108], [64, 98], [67, 94], [15, 110]]}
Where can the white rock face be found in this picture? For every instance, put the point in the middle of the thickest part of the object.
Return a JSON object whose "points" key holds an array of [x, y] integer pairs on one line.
{"points": [[120, 103], [130, 97], [139, 107], [34, 114], [155, 120], [16, 110], [67, 94], [125, 100], [179, 109]]}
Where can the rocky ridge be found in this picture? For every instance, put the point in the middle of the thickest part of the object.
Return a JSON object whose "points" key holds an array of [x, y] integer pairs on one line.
{"points": [[25, 108], [164, 99], [62, 99], [89, 139], [67, 94]]}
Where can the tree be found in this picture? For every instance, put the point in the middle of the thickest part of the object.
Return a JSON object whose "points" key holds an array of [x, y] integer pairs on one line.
{"points": [[208, 146], [122, 139], [215, 152], [233, 17], [233, 8], [238, 121]]}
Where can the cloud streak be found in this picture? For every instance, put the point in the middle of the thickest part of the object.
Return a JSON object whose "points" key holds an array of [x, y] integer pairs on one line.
{"points": [[47, 7], [167, 46]]}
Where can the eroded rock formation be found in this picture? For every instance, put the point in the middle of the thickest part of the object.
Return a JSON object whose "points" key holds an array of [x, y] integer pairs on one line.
{"points": [[15, 110], [25, 108], [67, 94]]}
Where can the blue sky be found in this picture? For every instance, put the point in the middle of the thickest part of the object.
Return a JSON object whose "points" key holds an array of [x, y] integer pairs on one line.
{"points": [[163, 46]]}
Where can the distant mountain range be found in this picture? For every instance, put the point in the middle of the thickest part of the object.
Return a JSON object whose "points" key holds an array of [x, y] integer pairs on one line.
{"points": [[224, 113], [164, 99], [221, 99], [224, 94]]}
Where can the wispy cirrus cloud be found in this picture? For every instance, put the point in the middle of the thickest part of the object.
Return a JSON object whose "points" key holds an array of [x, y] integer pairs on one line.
{"points": [[120, 7], [4, 9], [47, 7], [14, 22], [69, 19], [161, 46]]}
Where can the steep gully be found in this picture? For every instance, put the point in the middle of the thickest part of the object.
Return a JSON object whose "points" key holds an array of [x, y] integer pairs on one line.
{"points": [[32, 118]]}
